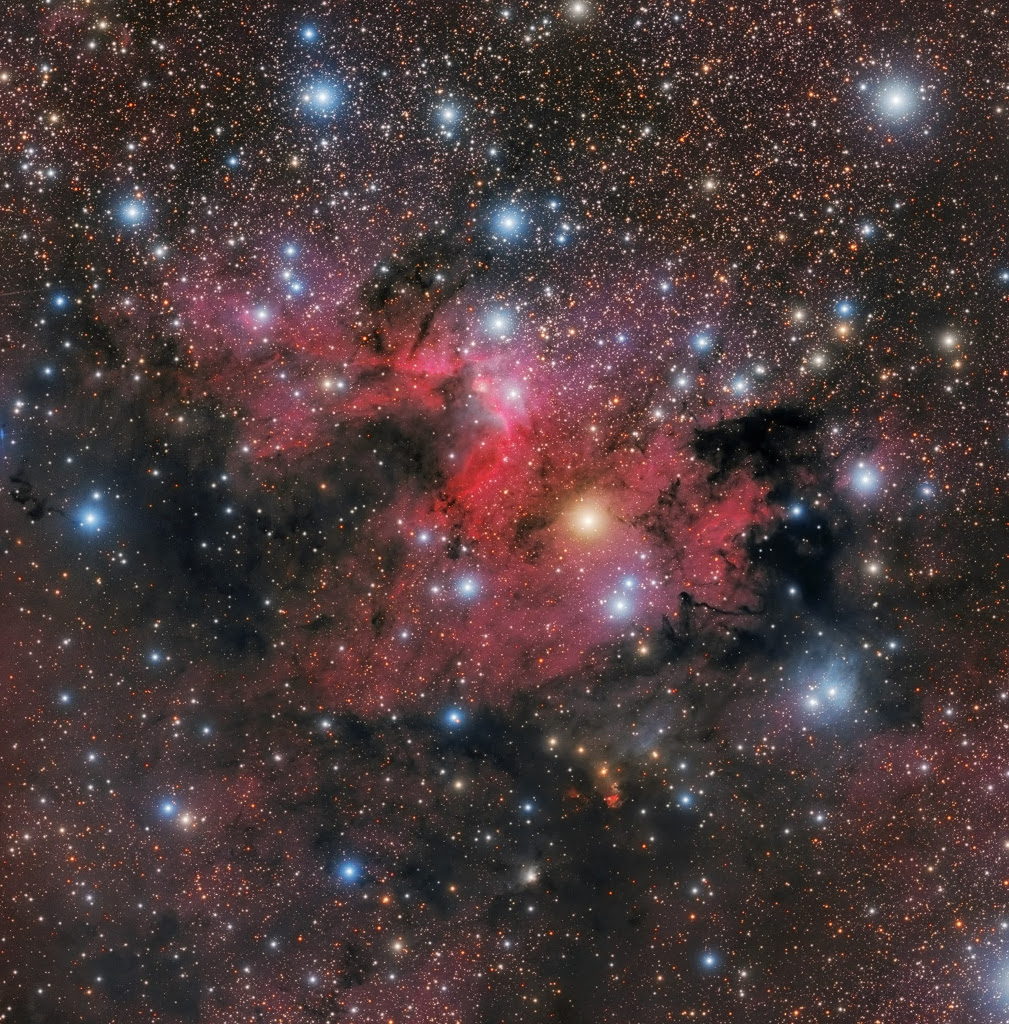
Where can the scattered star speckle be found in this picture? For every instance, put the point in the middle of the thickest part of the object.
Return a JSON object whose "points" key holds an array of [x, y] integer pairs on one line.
{"points": [[506, 513]]}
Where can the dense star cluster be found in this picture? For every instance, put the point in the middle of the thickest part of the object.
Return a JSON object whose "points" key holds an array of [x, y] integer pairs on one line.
{"points": [[504, 512]]}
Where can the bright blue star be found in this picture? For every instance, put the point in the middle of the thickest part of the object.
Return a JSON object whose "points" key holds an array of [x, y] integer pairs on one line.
{"points": [[864, 478], [508, 224], [321, 97], [90, 517], [830, 692], [132, 212], [499, 323], [453, 718], [896, 101], [349, 871]]}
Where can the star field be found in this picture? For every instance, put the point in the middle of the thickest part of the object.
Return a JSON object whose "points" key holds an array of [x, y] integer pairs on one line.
{"points": [[504, 512]]}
